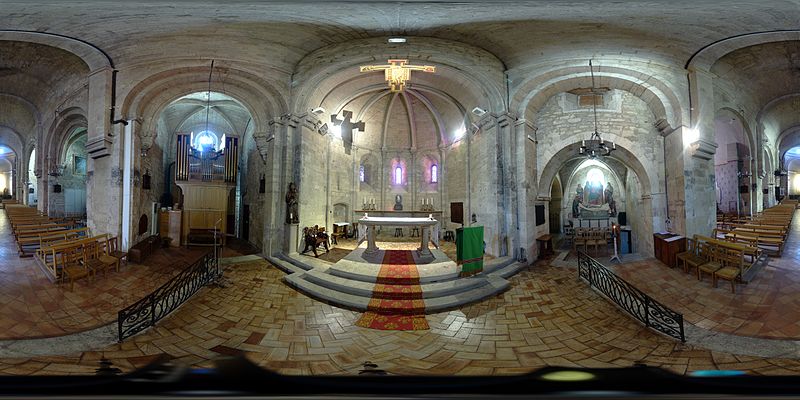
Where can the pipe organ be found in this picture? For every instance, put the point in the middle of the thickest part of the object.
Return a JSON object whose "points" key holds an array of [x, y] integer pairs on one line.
{"points": [[207, 177]]}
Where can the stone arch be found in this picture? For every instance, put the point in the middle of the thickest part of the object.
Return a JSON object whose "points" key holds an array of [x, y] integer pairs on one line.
{"points": [[707, 55], [462, 62], [570, 152], [748, 133], [59, 133], [152, 95], [12, 139], [535, 91], [95, 58]]}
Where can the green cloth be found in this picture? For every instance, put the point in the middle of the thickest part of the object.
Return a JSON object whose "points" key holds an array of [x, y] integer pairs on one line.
{"points": [[469, 250]]}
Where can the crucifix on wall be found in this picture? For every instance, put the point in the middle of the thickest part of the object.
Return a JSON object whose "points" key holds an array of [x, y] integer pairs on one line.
{"points": [[397, 72], [347, 126]]}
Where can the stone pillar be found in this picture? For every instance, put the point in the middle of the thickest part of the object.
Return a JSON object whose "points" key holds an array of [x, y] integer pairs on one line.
{"points": [[698, 158], [524, 159], [104, 191], [99, 143]]}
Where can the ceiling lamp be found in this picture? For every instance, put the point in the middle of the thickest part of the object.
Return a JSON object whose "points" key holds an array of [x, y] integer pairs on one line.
{"points": [[595, 146], [397, 39], [397, 72]]}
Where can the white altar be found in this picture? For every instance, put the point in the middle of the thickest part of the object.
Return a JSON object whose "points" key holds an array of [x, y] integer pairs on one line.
{"points": [[367, 227]]}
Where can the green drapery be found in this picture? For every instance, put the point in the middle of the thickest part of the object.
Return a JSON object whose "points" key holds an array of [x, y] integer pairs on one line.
{"points": [[469, 250]]}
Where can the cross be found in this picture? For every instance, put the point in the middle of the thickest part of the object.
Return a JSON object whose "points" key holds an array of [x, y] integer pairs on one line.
{"points": [[347, 126], [397, 72]]}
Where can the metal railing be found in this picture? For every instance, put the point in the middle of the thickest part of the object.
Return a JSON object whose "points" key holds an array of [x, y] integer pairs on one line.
{"points": [[638, 304], [162, 301]]}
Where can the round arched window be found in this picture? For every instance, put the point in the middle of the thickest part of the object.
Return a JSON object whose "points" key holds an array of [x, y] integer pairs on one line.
{"points": [[205, 140]]}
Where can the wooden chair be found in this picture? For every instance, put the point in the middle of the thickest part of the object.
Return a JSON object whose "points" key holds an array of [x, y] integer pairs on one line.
{"points": [[596, 237], [713, 262], [104, 254], [733, 261], [581, 238], [91, 258], [691, 250], [73, 266], [114, 251], [569, 234]]}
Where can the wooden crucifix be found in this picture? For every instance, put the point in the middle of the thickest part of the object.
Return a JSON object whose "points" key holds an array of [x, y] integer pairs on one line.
{"points": [[347, 126]]}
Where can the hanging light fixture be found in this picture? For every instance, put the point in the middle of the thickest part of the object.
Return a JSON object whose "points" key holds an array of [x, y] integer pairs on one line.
{"points": [[596, 146]]}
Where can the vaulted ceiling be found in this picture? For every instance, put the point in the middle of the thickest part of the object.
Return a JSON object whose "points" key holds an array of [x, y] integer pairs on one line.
{"points": [[282, 32]]}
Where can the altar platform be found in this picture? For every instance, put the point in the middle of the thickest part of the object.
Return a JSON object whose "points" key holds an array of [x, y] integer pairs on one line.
{"points": [[351, 282]]}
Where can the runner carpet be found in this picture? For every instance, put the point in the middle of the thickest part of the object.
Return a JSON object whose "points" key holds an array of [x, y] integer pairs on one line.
{"points": [[396, 302]]}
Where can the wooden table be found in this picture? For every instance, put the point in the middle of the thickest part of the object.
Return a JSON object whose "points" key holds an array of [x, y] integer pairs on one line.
{"points": [[545, 245]]}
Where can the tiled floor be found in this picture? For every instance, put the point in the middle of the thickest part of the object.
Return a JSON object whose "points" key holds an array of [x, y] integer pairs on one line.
{"points": [[548, 317], [767, 307], [34, 307]]}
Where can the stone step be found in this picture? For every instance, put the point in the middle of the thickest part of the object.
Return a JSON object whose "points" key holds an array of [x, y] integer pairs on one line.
{"points": [[496, 264], [494, 287], [285, 266], [359, 274], [361, 288], [508, 271], [330, 296]]}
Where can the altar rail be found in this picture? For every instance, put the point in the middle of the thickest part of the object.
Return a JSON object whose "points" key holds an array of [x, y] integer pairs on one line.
{"points": [[155, 306], [647, 310]]}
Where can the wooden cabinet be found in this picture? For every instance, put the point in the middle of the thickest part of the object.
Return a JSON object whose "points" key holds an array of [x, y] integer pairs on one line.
{"points": [[169, 226], [667, 246]]}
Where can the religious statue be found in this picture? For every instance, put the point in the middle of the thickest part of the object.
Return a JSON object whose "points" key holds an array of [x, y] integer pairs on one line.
{"points": [[398, 203], [291, 205], [576, 202], [609, 196]]}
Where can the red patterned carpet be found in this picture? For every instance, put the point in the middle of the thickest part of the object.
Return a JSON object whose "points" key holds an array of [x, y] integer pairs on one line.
{"points": [[397, 296]]}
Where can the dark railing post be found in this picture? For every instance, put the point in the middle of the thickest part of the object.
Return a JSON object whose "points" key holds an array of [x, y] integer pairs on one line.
{"points": [[120, 318], [680, 322], [647, 311], [152, 309]]}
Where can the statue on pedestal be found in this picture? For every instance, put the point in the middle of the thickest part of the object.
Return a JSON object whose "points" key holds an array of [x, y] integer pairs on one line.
{"points": [[398, 203], [609, 196], [292, 216], [576, 202]]}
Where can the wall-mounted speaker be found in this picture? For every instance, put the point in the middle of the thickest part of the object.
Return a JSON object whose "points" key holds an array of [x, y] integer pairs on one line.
{"points": [[622, 218], [56, 188]]}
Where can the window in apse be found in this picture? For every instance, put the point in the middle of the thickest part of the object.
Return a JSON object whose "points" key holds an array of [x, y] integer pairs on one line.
{"points": [[398, 176], [434, 173]]}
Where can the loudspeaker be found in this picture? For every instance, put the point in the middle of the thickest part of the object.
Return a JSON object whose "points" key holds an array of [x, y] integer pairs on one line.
{"points": [[744, 189], [56, 188], [622, 218]]}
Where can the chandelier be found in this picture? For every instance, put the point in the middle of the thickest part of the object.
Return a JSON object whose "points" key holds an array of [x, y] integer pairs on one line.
{"points": [[595, 146]]}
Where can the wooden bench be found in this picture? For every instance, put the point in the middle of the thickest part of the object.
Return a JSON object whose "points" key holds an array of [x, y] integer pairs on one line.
{"points": [[54, 258]]}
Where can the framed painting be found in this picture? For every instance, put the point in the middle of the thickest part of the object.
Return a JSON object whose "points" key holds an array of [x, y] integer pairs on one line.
{"points": [[79, 165]]}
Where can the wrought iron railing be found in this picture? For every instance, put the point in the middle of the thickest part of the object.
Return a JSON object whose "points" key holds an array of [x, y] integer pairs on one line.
{"points": [[155, 306], [638, 304]]}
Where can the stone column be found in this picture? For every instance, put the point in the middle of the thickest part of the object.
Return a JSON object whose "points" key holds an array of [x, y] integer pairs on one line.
{"points": [[698, 155], [99, 144], [524, 159]]}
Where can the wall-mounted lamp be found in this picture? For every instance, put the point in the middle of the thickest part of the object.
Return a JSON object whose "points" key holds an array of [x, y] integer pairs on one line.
{"points": [[478, 111]]}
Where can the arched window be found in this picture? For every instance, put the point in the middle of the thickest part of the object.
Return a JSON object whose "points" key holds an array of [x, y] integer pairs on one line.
{"points": [[362, 177], [398, 176], [434, 173], [204, 140], [595, 175]]}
